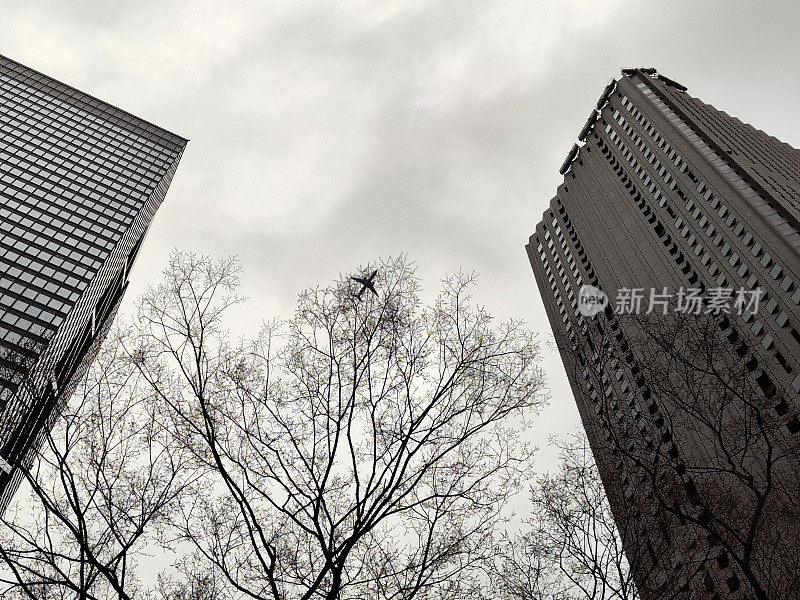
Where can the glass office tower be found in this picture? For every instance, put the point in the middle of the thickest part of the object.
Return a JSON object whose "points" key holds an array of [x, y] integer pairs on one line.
{"points": [[80, 181]]}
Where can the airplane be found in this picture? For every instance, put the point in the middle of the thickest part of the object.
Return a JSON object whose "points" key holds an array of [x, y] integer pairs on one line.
{"points": [[366, 284]]}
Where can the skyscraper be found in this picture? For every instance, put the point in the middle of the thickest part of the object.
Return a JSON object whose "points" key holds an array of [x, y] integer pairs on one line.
{"points": [[665, 199], [80, 181]]}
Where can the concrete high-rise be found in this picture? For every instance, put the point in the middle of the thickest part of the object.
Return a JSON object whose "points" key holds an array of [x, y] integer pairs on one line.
{"points": [[663, 194], [80, 181]]}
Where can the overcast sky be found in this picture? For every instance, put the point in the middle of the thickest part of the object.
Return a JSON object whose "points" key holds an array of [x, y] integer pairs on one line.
{"points": [[326, 134]]}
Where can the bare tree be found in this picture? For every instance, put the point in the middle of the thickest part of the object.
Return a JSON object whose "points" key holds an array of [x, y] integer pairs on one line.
{"points": [[572, 548], [96, 490], [524, 568], [364, 450], [194, 581], [574, 517]]}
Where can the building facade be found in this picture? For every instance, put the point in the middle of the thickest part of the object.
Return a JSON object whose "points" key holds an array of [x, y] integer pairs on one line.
{"points": [[80, 181], [665, 197]]}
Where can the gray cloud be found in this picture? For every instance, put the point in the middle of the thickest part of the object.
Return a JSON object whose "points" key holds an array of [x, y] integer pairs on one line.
{"points": [[324, 135]]}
